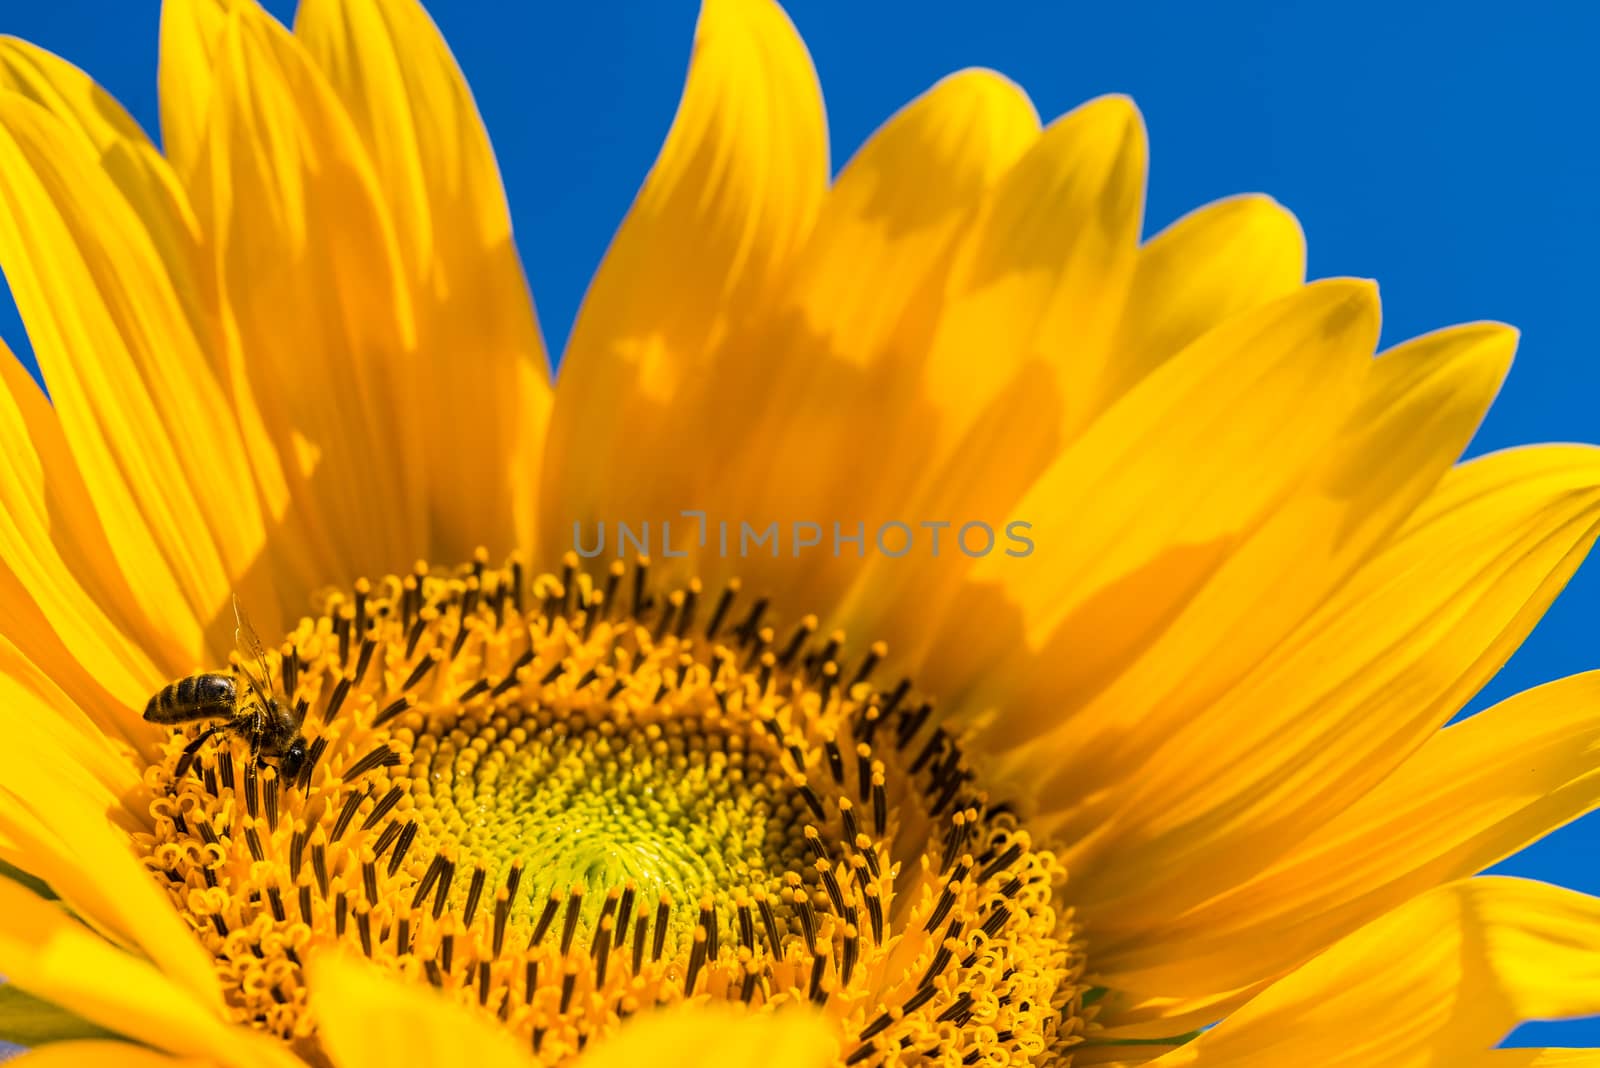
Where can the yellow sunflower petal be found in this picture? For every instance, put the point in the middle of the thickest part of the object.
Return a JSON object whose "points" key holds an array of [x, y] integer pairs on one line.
{"points": [[26, 1020], [53, 957], [99, 1054], [708, 242], [1160, 471], [369, 1017], [1535, 1058], [1473, 794], [113, 138], [888, 226], [86, 862], [1424, 400], [190, 34], [66, 810], [481, 362], [293, 205], [1421, 404], [1158, 1020], [66, 595], [145, 419], [1207, 267], [897, 206], [1035, 285], [1379, 668], [717, 1037], [1044, 274], [1438, 982], [56, 828], [85, 741], [61, 88], [847, 333], [1143, 508]]}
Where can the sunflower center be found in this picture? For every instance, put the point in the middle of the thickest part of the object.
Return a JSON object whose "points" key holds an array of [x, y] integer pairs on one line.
{"points": [[585, 805], [569, 800]]}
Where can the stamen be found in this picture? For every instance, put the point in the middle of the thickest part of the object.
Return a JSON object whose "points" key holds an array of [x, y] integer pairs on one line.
{"points": [[391, 831], [297, 850], [383, 757], [569, 925], [640, 929], [319, 866], [869, 663], [407, 834], [446, 874], [625, 911], [393, 709], [271, 792], [424, 667], [346, 814], [545, 917], [289, 664], [369, 645], [746, 632], [720, 612], [313, 755], [336, 702], [641, 580], [383, 807], [474, 892]]}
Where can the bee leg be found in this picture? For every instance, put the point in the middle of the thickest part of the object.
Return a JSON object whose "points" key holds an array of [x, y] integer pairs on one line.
{"points": [[187, 756], [247, 725]]}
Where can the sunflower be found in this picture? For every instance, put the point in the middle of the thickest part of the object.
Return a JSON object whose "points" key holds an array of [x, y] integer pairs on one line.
{"points": [[338, 733]]}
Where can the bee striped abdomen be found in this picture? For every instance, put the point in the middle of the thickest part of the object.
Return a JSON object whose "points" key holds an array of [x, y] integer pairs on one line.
{"points": [[193, 698]]}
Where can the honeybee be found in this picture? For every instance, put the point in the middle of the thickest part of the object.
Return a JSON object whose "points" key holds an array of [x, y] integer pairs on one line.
{"points": [[251, 711]]}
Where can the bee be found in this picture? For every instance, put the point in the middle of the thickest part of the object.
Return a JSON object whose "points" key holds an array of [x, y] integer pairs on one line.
{"points": [[250, 711]]}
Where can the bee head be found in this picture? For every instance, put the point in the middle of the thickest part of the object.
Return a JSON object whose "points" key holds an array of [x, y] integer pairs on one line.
{"points": [[293, 759]]}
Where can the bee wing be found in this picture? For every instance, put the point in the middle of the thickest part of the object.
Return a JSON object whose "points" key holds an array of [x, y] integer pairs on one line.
{"points": [[251, 651]]}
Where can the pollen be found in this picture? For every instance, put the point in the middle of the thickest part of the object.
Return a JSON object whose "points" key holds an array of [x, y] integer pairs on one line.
{"points": [[570, 799]]}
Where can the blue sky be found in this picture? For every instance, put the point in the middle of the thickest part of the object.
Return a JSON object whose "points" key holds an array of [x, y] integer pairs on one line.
{"points": [[1445, 150]]}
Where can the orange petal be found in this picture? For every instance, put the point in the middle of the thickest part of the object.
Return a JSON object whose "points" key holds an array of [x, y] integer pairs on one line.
{"points": [[1348, 696], [1212, 264], [1143, 509], [1421, 404], [707, 246], [53, 957], [370, 1018], [1475, 793], [66, 811], [1439, 982], [848, 333], [98, 1054], [121, 148], [145, 419], [480, 363], [1035, 287], [62, 595], [292, 203], [191, 31]]}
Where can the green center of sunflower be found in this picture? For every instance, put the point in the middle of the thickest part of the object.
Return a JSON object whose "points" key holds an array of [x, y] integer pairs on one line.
{"points": [[673, 806], [572, 800]]}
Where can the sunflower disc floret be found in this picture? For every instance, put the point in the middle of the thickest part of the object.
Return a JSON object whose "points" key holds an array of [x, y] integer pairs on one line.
{"points": [[569, 800]]}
